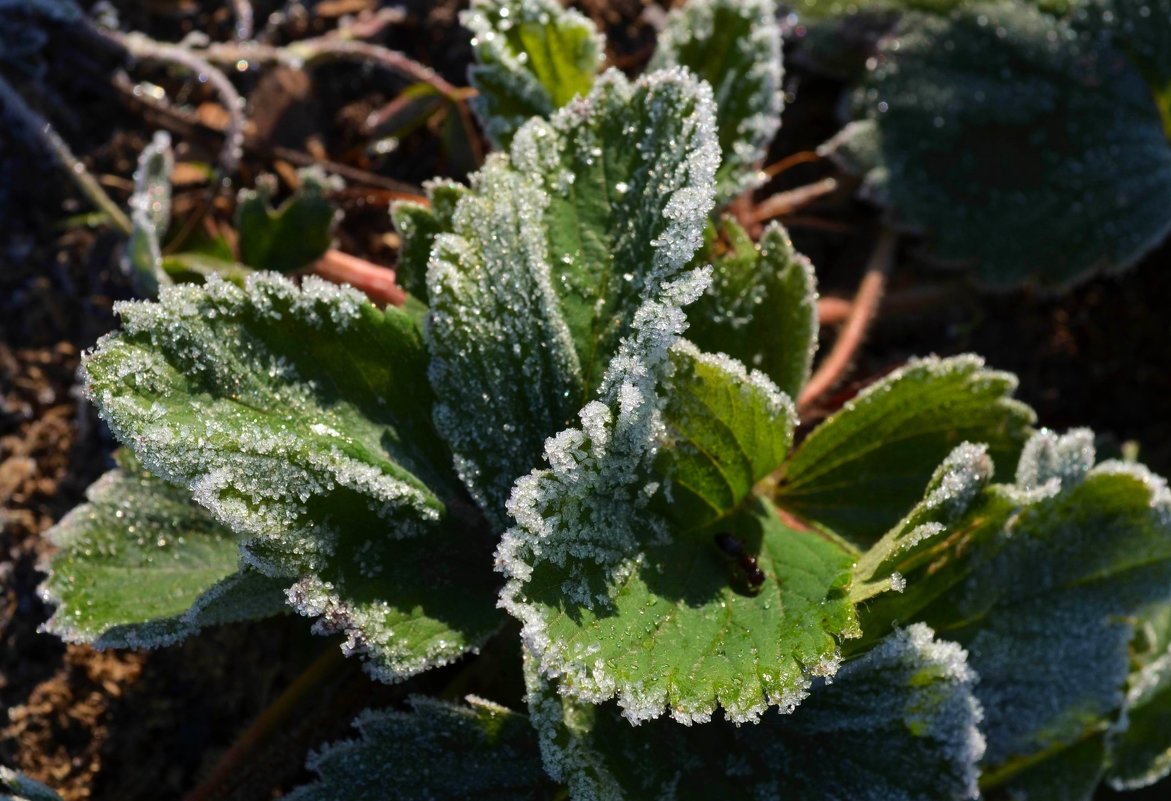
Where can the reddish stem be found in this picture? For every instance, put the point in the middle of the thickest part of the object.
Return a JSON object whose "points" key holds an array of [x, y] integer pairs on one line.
{"points": [[862, 312], [377, 282]]}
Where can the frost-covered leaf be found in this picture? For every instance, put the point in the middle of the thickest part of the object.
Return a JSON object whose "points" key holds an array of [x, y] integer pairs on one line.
{"points": [[1140, 746], [301, 418], [1140, 29], [1001, 118], [141, 566], [621, 601], [726, 430], [14, 786], [898, 724], [150, 212], [864, 468], [293, 235], [532, 57], [1039, 580], [734, 45], [761, 307], [418, 225], [438, 751], [552, 252]]}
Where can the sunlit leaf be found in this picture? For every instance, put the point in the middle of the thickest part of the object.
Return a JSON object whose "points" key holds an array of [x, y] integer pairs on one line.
{"points": [[863, 469], [761, 307], [301, 418], [141, 566], [532, 57], [150, 212], [734, 45]]}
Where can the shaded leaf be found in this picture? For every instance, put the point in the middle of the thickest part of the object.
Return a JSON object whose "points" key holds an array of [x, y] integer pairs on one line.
{"points": [[301, 418], [1038, 581], [438, 751], [141, 566], [734, 45], [863, 469], [998, 117], [898, 724], [1140, 745], [1071, 774], [293, 235], [551, 254], [532, 57], [761, 307]]}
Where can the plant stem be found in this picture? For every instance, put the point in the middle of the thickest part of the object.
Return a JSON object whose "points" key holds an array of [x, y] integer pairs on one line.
{"points": [[270, 720], [862, 312], [142, 47], [44, 131], [377, 282], [244, 18], [792, 199]]}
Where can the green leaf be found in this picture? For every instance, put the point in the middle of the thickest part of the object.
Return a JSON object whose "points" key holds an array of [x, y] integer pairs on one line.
{"points": [[761, 307], [438, 751], [998, 117], [552, 252], [620, 601], [418, 225], [864, 468], [734, 45], [1140, 745], [532, 57], [726, 430], [898, 724], [293, 235], [301, 418], [1141, 29], [1070, 774], [141, 566], [15, 787], [1039, 580], [150, 212]]}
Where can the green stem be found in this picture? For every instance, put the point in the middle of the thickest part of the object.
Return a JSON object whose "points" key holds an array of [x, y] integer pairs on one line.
{"points": [[43, 130]]}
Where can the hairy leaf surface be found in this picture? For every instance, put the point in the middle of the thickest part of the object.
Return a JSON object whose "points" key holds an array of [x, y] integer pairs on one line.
{"points": [[761, 307], [141, 566], [438, 751], [552, 252], [734, 45], [621, 598], [898, 724], [533, 57], [864, 468], [1001, 117], [1038, 580], [301, 418]]}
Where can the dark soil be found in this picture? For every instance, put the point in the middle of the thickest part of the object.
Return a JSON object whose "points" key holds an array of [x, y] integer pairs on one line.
{"points": [[122, 725]]}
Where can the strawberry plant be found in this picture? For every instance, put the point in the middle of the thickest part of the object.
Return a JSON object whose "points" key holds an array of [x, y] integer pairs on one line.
{"points": [[583, 429]]}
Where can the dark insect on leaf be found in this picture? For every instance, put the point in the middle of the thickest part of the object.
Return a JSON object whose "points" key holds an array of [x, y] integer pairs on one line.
{"points": [[750, 572]]}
